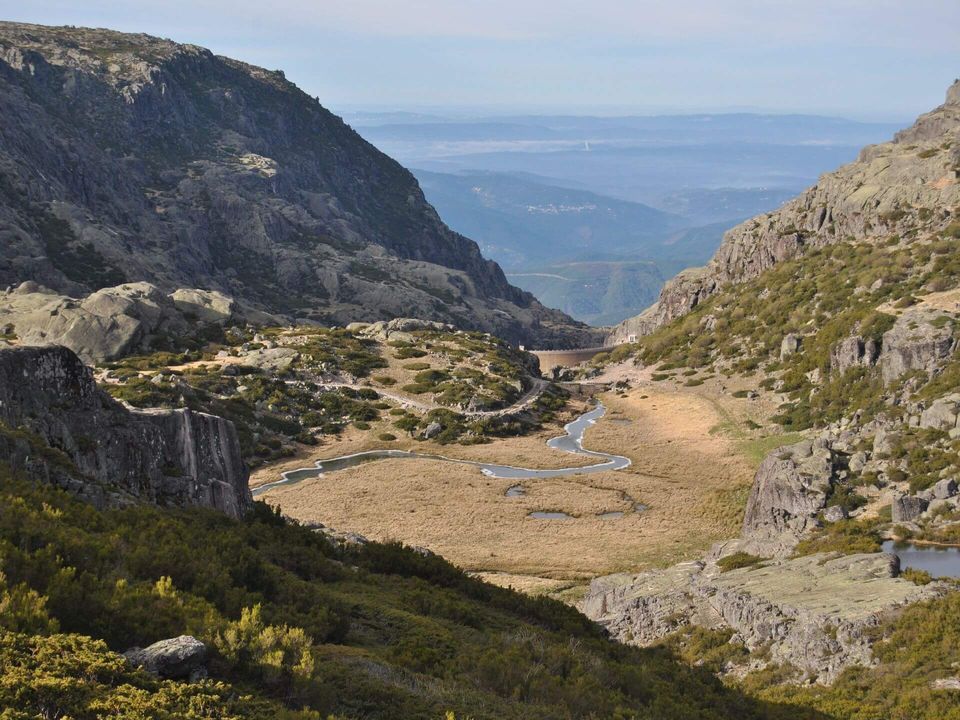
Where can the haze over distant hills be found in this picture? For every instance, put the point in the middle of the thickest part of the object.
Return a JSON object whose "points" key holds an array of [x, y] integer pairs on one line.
{"points": [[591, 213]]}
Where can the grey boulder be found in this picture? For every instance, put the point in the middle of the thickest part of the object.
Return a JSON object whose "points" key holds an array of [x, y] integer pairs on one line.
{"points": [[945, 489], [918, 340], [789, 491], [178, 658], [908, 507]]}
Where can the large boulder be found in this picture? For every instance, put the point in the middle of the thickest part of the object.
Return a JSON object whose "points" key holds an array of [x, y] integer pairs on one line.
{"points": [[907, 507], [790, 345], [205, 305], [945, 489], [920, 339], [789, 491], [942, 413], [179, 658]]}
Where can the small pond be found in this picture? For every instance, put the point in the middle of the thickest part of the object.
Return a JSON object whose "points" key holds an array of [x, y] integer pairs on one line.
{"points": [[938, 560]]}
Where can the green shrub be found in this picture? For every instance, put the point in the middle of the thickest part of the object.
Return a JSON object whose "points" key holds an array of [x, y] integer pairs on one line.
{"points": [[738, 560]]}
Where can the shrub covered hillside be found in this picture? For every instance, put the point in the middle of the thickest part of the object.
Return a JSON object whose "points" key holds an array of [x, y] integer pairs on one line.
{"points": [[378, 631], [852, 289], [288, 387]]}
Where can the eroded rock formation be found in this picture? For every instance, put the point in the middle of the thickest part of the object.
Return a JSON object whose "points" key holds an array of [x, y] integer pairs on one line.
{"points": [[814, 612], [116, 321], [789, 491], [56, 424]]}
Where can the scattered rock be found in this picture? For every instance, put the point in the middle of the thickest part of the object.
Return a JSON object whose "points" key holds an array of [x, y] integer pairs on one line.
{"points": [[857, 462], [951, 683], [834, 513], [432, 430]]}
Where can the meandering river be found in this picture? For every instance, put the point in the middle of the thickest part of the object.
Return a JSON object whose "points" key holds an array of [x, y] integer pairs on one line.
{"points": [[570, 442]]}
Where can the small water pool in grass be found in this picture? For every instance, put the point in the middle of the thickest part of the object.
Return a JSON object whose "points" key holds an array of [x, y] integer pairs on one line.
{"points": [[938, 560]]}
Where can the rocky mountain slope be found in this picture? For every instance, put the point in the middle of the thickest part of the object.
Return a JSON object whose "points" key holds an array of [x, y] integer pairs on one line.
{"points": [[841, 310], [58, 426], [128, 158], [896, 187]]}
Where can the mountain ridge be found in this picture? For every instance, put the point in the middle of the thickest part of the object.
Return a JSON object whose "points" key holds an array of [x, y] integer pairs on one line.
{"points": [[865, 198], [132, 158]]}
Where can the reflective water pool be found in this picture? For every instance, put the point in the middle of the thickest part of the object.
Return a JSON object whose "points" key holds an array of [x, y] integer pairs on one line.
{"points": [[937, 560], [570, 442]]}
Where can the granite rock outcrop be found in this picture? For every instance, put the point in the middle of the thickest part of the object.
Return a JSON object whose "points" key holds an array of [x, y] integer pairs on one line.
{"points": [[58, 426]]}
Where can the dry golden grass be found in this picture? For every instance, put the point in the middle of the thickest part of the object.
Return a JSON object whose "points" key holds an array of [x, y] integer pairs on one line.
{"points": [[689, 467]]}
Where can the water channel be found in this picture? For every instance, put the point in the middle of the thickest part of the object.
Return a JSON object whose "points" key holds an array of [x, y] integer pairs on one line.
{"points": [[570, 442]]}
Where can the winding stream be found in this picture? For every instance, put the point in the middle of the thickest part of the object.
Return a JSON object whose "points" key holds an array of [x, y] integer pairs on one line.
{"points": [[570, 442]]}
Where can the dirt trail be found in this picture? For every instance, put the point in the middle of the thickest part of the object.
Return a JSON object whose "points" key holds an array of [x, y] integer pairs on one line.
{"points": [[530, 397]]}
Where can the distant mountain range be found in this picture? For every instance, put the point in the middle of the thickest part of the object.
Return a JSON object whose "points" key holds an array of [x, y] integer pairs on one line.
{"points": [[597, 258], [653, 193]]}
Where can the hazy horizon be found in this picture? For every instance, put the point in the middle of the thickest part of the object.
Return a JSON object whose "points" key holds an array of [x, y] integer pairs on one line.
{"points": [[884, 60]]}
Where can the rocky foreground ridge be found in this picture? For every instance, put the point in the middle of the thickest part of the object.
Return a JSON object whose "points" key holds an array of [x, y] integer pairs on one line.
{"points": [[128, 158], [58, 426], [881, 193], [815, 612]]}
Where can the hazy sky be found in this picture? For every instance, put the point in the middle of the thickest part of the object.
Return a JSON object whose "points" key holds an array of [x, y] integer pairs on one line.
{"points": [[889, 59]]}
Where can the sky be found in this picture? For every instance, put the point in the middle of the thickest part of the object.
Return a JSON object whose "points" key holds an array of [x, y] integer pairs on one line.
{"points": [[865, 59]]}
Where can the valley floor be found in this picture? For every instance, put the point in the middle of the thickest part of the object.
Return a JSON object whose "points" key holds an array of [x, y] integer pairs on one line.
{"points": [[693, 458]]}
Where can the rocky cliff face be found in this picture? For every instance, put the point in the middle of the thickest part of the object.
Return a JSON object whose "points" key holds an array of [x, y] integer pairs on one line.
{"points": [[814, 612], [896, 186], [56, 424], [127, 158]]}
